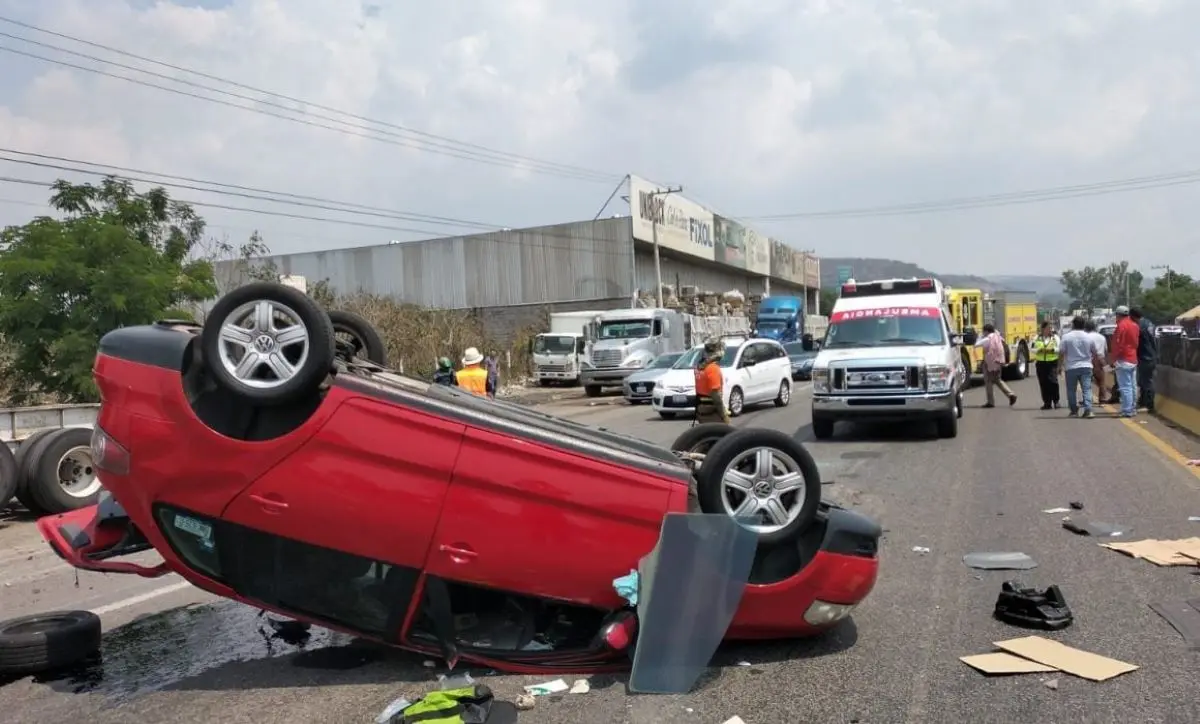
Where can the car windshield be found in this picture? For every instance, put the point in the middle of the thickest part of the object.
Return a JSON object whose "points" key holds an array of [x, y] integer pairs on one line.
{"points": [[885, 329], [692, 356], [663, 361], [625, 329], [554, 344]]}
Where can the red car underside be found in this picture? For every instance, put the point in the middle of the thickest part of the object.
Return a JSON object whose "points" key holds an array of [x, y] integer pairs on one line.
{"points": [[432, 504]]}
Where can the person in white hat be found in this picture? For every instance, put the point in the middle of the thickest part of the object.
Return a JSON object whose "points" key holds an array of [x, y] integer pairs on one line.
{"points": [[472, 377]]}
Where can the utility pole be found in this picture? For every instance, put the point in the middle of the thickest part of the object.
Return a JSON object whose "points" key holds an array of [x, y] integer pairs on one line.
{"points": [[1167, 268], [654, 233]]}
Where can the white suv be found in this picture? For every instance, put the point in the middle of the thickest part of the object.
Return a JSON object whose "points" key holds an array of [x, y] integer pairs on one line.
{"points": [[755, 370]]}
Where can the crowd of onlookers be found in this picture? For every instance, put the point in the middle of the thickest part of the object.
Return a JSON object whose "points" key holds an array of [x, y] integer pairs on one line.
{"points": [[479, 375]]}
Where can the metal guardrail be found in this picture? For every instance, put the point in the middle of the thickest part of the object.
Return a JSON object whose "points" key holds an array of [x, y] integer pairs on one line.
{"points": [[18, 423], [1180, 352]]}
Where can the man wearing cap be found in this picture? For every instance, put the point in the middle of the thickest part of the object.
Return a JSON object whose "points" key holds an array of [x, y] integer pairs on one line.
{"points": [[1125, 359], [445, 373], [710, 384], [472, 377]]}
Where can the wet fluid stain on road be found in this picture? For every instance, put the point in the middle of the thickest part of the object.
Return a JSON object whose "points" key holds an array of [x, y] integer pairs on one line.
{"points": [[163, 649]]}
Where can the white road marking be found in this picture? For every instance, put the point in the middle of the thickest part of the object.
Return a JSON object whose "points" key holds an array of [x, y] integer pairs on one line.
{"points": [[140, 598]]}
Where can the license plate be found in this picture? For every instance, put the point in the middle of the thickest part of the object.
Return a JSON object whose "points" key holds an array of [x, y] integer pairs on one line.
{"points": [[679, 399], [643, 388], [197, 528]]}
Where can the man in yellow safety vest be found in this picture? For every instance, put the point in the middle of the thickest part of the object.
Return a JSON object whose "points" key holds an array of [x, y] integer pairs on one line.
{"points": [[1045, 359]]}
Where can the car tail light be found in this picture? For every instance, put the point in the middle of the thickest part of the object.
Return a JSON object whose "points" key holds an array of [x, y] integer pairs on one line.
{"points": [[823, 613], [619, 632], [924, 284], [107, 453]]}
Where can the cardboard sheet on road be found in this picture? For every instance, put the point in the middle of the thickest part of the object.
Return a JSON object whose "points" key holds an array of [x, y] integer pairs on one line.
{"points": [[1182, 552], [999, 663], [1073, 661]]}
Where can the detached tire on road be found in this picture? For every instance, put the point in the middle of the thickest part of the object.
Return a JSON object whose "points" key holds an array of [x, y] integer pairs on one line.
{"points": [[701, 438], [367, 342], [47, 641], [8, 475], [741, 453], [289, 363], [25, 462], [63, 476]]}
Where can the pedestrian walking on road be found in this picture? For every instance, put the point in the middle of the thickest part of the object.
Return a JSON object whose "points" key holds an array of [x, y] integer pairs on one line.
{"points": [[993, 366], [1045, 363], [1125, 359], [472, 377], [492, 364], [1077, 355], [710, 384], [1147, 359]]}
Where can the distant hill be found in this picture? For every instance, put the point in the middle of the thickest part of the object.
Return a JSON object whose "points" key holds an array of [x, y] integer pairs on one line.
{"points": [[892, 269]]}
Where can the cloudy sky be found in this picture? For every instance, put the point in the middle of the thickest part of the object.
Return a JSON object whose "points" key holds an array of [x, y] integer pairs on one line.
{"points": [[530, 111]]}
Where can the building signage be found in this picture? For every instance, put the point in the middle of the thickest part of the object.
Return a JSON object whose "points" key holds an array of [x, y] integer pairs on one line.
{"points": [[730, 239], [679, 224], [781, 260], [758, 253]]}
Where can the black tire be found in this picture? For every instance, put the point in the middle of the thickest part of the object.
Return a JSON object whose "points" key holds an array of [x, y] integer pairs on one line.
{"points": [[822, 427], [47, 641], [958, 404], [947, 426], [307, 379], [367, 342], [45, 486], [700, 438], [785, 394], [25, 461], [736, 396], [8, 475], [543, 383], [667, 415], [710, 477], [592, 390]]}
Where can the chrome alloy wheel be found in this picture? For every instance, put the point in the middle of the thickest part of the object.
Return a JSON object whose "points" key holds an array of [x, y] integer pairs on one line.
{"points": [[263, 344], [763, 489]]}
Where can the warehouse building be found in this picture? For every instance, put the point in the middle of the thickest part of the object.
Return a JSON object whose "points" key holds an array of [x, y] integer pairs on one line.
{"points": [[513, 278]]}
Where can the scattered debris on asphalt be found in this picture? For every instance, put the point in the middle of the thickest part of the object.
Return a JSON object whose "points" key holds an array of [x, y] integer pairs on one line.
{"points": [[525, 702], [1182, 552], [557, 686], [734, 720], [581, 686], [1094, 528], [1051, 684], [1076, 505], [920, 549], [1000, 663], [1184, 617], [1032, 608], [1194, 518], [471, 705], [1194, 463], [1057, 510], [1035, 654], [1008, 561]]}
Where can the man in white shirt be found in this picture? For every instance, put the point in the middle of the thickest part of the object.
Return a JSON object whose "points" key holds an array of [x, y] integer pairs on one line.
{"points": [[1077, 352]]}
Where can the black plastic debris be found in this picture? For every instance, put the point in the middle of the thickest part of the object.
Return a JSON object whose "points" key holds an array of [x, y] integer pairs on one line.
{"points": [[1094, 528], [1184, 617], [1000, 561], [1076, 505], [1032, 608]]}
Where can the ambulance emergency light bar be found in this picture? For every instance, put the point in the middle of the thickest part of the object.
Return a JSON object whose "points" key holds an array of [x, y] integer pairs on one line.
{"points": [[886, 287]]}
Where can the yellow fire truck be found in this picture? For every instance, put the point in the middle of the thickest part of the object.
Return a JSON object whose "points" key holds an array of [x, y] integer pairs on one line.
{"points": [[1014, 315]]}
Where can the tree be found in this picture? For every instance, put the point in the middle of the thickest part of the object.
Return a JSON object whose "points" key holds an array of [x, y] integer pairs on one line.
{"points": [[1119, 278], [115, 258], [1086, 287], [1169, 297], [828, 297]]}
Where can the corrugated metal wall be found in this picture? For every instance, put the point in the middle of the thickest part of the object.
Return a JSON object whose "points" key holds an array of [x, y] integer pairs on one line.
{"points": [[564, 262]]}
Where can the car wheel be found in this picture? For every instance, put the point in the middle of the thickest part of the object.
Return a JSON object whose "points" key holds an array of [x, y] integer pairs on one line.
{"points": [[947, 426], [958, 406], [360, 335], [8, 474], [737, 402], [700, 438], [26, 460], [785, 394], [822, 428], [592, 390], [764, 479], [268, 343], [667, 415], [47, 641], [64, 477]]}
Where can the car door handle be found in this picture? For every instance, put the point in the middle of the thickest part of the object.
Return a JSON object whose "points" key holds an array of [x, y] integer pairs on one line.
{"points": [[271, 505], [458, 552]]}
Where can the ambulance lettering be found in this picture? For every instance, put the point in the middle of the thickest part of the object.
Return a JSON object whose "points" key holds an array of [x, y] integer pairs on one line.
{"points": [[883, 312]]}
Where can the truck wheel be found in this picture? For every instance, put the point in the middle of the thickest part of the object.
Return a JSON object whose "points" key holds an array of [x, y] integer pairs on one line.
{"points": [[26, 460], [947, 426], [701, 438], [64, 477], [822, 428], [543, 383], [764, 479], [8, 475], [592, 390], [47, 641], [360, 335], [268, 343]]}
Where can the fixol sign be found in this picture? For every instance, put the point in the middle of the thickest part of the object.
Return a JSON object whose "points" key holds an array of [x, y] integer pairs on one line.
{"points": [[680, 225]]}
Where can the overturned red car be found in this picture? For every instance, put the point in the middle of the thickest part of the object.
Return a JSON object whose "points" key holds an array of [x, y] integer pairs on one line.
{"points": [[269, 461]]}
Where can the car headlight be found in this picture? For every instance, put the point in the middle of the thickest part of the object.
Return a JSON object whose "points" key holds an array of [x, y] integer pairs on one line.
{"points": [[939, 378], [820, 380], [822, 613], [637, 362]]}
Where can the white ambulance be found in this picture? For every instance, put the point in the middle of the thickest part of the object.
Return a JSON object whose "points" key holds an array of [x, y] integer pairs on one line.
{"points": [[890, 355]]}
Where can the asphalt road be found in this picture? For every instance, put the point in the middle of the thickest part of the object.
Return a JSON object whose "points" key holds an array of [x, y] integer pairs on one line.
{"points": [[174, 655]]}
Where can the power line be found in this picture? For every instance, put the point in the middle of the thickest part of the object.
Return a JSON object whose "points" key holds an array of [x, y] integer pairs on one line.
{"points": [[311, 104], [311, 202], [371, 134], [1032, 196]]}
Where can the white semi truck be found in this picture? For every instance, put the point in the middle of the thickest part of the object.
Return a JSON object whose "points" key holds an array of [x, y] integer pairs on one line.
{"points": [[558, 355]]}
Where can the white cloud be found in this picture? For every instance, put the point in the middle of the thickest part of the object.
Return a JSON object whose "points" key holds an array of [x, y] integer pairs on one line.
{"points": [[758, 107]]}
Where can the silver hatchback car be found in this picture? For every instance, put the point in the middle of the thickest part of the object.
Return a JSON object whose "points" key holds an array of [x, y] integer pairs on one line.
{"points": [[639, 386]]}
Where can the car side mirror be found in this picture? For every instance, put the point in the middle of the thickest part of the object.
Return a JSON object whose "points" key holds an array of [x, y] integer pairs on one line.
{"points": [[956, 340]]}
